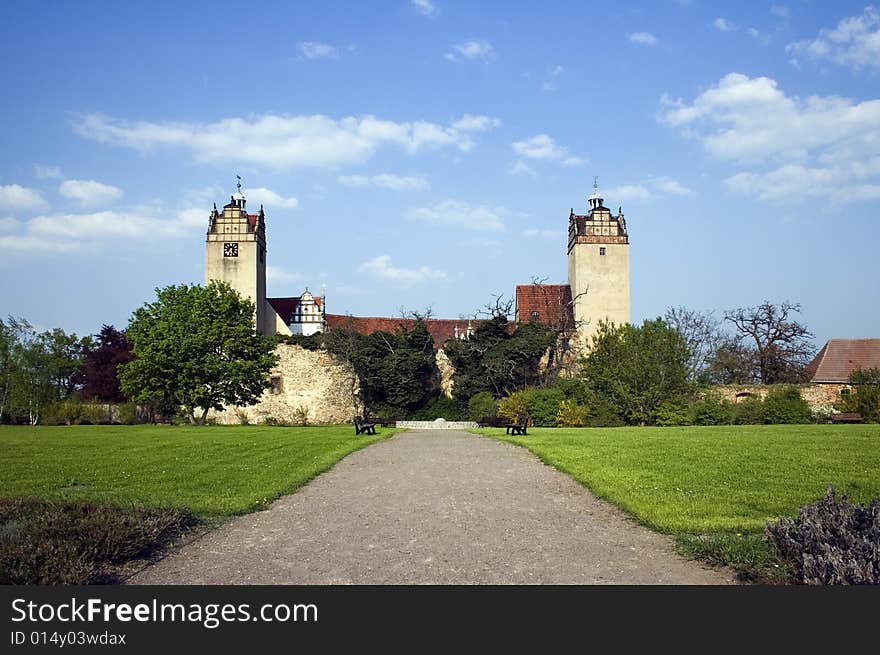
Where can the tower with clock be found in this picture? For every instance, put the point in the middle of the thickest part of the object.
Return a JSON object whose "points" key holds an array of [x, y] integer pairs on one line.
{"points": [[235, 252], [598, 267]]}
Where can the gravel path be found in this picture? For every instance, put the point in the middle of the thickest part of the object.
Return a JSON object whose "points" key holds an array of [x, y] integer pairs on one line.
{"points": [[442, 507]]}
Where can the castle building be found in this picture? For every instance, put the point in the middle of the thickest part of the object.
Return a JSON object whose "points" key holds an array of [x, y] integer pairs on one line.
{"points": [[598, 267], [598, 278], [597, 289]]}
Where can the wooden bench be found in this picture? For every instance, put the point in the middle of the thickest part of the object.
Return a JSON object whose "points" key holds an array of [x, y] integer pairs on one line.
{"points": [[363, 426], [847, 417], [520, 426]]}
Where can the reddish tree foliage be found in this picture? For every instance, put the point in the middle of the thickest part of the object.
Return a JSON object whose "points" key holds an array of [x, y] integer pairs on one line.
{"points": [[99, 374]]}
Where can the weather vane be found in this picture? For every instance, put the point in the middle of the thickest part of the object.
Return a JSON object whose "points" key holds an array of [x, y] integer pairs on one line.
{"points": [[238, 186], [596, 183]]}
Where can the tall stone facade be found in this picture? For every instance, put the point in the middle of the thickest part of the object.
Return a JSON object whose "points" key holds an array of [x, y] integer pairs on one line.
{"points": [[235, 253], [306, 384], [598, 267]]}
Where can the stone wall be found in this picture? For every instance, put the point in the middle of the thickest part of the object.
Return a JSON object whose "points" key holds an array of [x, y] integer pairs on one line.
{"points": [[818, 396], [310, 381]]}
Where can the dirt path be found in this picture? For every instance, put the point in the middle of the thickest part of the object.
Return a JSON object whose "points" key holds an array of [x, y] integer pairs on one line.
{"points": [[438, 507]]}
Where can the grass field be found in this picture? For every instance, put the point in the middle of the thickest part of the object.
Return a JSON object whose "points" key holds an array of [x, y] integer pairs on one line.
{"points": [[213, 471], [723, 479]]}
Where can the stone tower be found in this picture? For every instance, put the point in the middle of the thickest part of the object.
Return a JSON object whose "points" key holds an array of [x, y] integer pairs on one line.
{"points": [[235, 252], [598, 267]]}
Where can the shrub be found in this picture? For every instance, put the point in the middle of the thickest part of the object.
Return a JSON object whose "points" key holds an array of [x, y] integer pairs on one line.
{"points": [[711, 409], [127, 413], [785, 405], [544, 406], [481, 405], [864, 397], [515, 404], [603, 413], [748, 412], [301, 416], [438, 407], [831, 542], [571, 414], [71, 542], [572, 389], [672, 413]]}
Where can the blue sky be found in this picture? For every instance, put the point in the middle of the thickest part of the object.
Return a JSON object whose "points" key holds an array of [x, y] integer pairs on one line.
{"points": [[426, 154]]}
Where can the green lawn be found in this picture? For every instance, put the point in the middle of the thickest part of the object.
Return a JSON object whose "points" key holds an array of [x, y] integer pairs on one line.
{"points": [[210, 470], [724, 479]]}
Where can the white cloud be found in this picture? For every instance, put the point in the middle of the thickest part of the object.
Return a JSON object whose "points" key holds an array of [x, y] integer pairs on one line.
{"points": [[746, 118], [643, 38], [671, 186], [461, 214], [557, 71], [855, 42], [780, 11], [386, 181], [843, 184], [34, 244], [285, 141], [425, 8], [534, 232], [471, 50], [650, 189], [520, 168], [105, 225], [548, 86], [381, 266], [626, 192], [543, 147], [21, 198], [276, 274], [471, 123], [9, 224], [48, 172], [194, 217], [269, 199], [819, 140], [722, 25], [89, 192], [317, 50]]}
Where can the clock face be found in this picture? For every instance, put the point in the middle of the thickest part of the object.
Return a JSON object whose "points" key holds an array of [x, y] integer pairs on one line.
{"points": [[230, 250]]}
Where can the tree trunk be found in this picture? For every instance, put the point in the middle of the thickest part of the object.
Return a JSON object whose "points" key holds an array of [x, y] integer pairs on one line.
{"points": [[204, 415]]}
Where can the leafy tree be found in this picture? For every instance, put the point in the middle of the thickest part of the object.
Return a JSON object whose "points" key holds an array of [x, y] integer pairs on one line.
{"points": [[864, 397], [703, 335], [497, 359], [782, 345], [195, 347], [482, 405], [396, 370], [784, 404], [733, 362], [632, 370], [99, 376], [36, 370]]}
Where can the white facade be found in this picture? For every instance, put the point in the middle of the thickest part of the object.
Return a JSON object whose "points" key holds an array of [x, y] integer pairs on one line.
{"points": [[308, 316]]}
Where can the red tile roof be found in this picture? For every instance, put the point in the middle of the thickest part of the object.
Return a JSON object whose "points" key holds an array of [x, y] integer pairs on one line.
{"points": [[840, 357], [549, 304], [441, 329], [285, 307]]}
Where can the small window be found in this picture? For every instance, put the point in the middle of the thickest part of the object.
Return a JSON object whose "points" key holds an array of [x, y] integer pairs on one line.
{"points": [[602, 251], [845, 392], [276, 384], [536, 316]]}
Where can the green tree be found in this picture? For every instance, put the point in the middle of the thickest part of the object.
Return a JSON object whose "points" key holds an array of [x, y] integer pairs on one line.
{"points": [[635, 369], [497, 359], [396, 370], [195, 347], [864, 397], [36, 370]]}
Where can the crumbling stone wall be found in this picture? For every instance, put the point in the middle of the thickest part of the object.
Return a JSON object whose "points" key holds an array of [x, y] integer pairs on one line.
{"points": [[818, 396], [310, 383]]}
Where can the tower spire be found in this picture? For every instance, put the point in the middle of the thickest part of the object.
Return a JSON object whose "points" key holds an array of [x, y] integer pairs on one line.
{"points": [[596, 199]]}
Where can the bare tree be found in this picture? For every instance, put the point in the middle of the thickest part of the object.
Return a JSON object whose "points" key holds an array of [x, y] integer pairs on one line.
{"points": [[782, 345], [701, 332]]}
